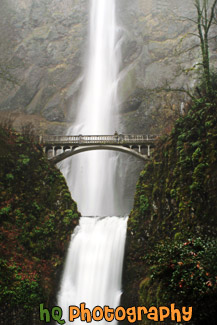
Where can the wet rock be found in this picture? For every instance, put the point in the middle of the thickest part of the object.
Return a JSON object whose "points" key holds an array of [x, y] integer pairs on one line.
{"points": [[44, 45]]}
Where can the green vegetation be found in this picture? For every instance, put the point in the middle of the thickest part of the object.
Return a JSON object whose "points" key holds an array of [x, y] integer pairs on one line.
{"points": [[188, 270], [173, 226], [171, 255], [205, 19], [37, 216]]}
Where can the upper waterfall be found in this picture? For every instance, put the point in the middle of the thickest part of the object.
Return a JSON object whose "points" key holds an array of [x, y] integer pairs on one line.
{"points": [[98, 100], [92, 176]]}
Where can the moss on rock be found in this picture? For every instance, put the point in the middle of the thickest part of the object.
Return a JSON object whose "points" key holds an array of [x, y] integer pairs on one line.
{"points": [[175, 206], [37, 217]]}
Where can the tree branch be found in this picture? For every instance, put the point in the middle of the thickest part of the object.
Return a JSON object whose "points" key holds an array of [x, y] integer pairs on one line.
{"points": [[169, 89], [212, 14]]}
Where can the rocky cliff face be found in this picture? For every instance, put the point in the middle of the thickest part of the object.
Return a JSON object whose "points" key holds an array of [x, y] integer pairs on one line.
{"points": [[175, 213], [158, 52], [43, 45]]}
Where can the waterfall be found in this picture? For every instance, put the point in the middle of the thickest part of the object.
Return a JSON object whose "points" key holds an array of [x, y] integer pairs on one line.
{"points": [[91, 176], [93, 267], [94, 264]]}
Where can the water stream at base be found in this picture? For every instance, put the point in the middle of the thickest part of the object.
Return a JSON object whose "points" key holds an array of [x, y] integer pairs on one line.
{"points": [[93, 267]]}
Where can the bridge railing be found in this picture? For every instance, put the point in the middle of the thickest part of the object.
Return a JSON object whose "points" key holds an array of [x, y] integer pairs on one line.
{"points": [[94, 139]]}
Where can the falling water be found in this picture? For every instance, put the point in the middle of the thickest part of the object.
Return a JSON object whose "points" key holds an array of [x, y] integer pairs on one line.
{"points": [[91, 176], [94, 263]]}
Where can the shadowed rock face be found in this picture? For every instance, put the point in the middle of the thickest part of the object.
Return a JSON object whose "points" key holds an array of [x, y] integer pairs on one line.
{"points": [[44, 42], [158, 51], [44, 45]]}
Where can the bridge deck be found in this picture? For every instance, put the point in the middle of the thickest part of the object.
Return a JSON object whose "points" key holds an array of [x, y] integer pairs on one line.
{"points": [[82, 140]]}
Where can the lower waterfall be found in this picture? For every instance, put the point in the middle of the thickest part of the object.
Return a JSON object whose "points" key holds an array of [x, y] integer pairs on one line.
{"points": [[93, 268]]}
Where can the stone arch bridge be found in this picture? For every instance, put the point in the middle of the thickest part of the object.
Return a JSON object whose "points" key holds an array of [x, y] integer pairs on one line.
{"points": [[59, 148]]}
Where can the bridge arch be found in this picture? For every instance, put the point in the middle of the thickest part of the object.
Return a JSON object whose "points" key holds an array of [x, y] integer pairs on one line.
{"points": [[77, 150]]}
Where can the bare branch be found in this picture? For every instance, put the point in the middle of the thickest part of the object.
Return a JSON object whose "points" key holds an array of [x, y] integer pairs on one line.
{"points": [[189, 49], [212, 14], [194, 34], [169, 89], [187, 18], [180, 90]]}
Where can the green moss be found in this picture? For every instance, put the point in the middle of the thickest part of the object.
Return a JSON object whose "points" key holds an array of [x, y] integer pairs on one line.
{"points": [[175, 200], [37, 217]]}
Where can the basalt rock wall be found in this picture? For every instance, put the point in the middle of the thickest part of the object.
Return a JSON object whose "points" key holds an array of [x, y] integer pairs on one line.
{"points": [[159, 51], [43, 47]]}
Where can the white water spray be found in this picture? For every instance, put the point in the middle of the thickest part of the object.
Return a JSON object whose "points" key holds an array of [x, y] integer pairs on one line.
{"points": [[94, 263], [91, 176]]}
